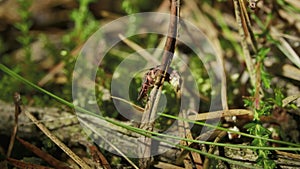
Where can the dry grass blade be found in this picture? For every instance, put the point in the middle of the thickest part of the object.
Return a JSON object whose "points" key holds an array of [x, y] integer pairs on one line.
{"points": [[285, 47], [59, 67], [286, 70], [291, 72], [128, 102], [290, 155], [60, 144], [289, 99], [158, 53], [166, 166], [43, 155], [184, 128], [248, 60], [206, 24], [212, 148], [221, 113], [247, 25], [23, 165], [294, 3]]}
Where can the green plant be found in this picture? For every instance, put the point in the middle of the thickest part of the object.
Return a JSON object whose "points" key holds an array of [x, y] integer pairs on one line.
{"points": [[260, 108], [130, 7], [9, 85], [23, 26], [84, 25]]}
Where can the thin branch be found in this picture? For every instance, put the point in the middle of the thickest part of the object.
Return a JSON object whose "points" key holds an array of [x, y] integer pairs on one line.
{"points": [[221, 113], [185, 130], [212, 148], [150, 112], [66, 149], [22, 164], [128, 102], [239, 15], [18, 110], [172, 34], [245, 17], [43, 155]]}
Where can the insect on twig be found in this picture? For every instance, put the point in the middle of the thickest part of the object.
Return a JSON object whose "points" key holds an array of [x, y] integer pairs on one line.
{"points": [[157, 76], [150, 78]]}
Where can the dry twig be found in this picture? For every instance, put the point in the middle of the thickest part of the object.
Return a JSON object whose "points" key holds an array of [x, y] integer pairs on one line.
{"points": [[184, 128], [240, 19], [148, 118], [23, 165], [60, 144], [18, 110], [212, 148], [43, 155]]}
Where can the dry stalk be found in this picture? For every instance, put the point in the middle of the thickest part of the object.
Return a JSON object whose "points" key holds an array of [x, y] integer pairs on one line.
{"points": [[240, 19], [18, 110], [221, 113], [150, 112], [248, 26], [60, 144], [184, 128], [212, 148]]}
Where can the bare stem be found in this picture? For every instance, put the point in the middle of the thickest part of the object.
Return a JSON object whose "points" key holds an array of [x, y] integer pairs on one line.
{"points": [[18, 110], [66, 149], [239, 19], [150, 112]]}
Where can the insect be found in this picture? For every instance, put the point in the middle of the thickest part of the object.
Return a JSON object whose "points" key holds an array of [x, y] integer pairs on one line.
{"points": [[150, 78]]}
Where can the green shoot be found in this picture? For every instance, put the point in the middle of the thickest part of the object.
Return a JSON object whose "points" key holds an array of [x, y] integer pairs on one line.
{"points": [[24, 26]]}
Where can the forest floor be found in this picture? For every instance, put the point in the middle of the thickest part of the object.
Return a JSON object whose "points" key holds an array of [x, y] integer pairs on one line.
{"points": [[237, 105]]}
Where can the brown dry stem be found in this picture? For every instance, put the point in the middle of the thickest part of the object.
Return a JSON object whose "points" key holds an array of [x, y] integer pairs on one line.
{"points": [[149, 115]]}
